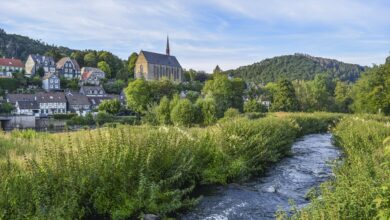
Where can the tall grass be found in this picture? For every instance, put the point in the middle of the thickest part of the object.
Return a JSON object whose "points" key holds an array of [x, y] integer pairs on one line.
{"points": [[361, 187], [125, 171]]}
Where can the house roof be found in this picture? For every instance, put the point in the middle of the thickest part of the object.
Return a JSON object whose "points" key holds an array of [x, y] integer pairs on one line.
{"points": [[91, 88], [75, 98], [63, 60], [41, 59], [50, 97], [11, 62], [13, 98], [86, 72], [28, 105], [160, 59], [49, 75]]}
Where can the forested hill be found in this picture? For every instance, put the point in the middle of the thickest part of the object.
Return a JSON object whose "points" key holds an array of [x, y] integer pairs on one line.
{"points": [[13, 45], [297, 66]]}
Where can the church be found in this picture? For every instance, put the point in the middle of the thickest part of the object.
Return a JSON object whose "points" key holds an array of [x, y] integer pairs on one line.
{"points": [[155, 66]]}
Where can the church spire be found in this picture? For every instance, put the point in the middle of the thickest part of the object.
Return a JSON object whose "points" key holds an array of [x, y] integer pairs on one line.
{"points": [[167, 51]]}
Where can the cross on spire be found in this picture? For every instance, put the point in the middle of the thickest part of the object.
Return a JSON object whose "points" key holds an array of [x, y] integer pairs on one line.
{"points": [[167, 51]]}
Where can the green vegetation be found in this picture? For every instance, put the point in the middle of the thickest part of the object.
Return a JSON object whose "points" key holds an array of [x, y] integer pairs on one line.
{"points": [[123, 171], [296, 67], [361, 188]]}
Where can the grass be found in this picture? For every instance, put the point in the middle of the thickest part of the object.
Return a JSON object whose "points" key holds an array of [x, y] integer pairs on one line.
{"points": [[126, 171]]}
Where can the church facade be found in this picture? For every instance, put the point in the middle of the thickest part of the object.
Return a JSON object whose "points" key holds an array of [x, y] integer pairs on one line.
{"points": [[155, 66]]}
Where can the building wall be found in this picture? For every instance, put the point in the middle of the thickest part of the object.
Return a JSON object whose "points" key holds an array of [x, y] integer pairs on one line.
{"points": [[30, 66], [141, 62], [20, 121]]}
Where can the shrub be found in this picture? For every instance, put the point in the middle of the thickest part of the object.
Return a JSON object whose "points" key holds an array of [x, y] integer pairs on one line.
{"points": [[164, 111], [254, 106], [64, 116], [231, 113], [184, 113], [208, 108]]}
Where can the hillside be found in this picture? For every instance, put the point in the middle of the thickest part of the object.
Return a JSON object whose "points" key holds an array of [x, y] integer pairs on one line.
{"points": [[13, 45], [297, 66]]}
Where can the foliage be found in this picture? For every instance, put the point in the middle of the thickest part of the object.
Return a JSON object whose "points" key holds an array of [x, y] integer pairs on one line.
{"points": [[40, 72], [69, 83], [115, 87], [64, 116], [103, 65], [231, 113], [131, 64], [284, 98], [110, 106], [208, 109], [184, 113], [164, 111], [297, 67], [371, 93], [6, 108], [138, 94], [225, 92], [254, 106]]}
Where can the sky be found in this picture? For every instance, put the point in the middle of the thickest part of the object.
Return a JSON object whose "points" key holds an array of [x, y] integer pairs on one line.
{"points": [[204, 33]]}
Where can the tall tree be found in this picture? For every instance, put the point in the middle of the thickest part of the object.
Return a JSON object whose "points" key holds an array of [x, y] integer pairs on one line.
{"points": [[103, 65], [90, 59], [217, 70], [284, 98], [138, 94], [343, 96], [131, 63]]}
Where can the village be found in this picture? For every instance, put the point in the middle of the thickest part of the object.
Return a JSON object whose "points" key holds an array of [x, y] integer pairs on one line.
{"points": [[34, 110]]}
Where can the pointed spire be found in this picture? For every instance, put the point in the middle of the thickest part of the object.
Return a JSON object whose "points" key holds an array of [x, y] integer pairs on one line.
{"points": [[167, 51]]}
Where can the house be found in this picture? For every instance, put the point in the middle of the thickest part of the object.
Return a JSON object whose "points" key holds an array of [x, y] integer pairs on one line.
{"points": [[68, 68], [35, 61], [78, 103], [51, 82], [51, 103], [9, 66], [92, 91], [91, 76], [13, 98], [155, 66], [27, 108]]}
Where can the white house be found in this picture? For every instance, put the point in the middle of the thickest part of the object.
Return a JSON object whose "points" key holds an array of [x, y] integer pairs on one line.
{"points": [[51, 103], [9, 66], [91, 76], [51, 82], [27, 108]]}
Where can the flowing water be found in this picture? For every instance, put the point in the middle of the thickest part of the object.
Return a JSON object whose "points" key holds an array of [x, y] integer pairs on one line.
{"points": [[291, 178]]}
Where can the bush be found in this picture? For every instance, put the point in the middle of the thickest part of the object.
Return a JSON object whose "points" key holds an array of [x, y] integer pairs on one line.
{"points": [[102, 118], [163, 111], [184, 113], [254, 106], [208, 108], [231, 113]]}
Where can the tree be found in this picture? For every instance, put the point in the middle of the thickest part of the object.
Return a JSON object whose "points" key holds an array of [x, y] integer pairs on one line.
{"points": [[253, 106], [123, 75], [90, 59], [343, 96], [114, 87], [371, 93], [322, 93], [238, 86], [138, 94], [217, 70], [231, 113], [131, 63], [162, 88], [284, 98], [221, 90], [110, 106], [208, 109], [78, 56], [184, 113], [40, 72], [164, 111], [105, 68], [6, 108], [55, 53]]}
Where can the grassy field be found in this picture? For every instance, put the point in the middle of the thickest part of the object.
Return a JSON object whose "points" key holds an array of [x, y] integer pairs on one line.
{"points": [[126, 171]]}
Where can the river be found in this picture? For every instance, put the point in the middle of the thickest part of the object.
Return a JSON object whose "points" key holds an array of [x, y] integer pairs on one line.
{"points": [[260, 198]]}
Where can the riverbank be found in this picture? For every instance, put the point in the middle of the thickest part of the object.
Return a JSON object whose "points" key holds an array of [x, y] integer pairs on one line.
{"points": [[125, 171]]}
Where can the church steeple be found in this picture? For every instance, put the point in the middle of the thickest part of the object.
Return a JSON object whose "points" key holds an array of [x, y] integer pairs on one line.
{"points": [[167, 51]]}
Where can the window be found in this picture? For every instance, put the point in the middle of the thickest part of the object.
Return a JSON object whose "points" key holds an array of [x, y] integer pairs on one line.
{"points": [[141, 69]]}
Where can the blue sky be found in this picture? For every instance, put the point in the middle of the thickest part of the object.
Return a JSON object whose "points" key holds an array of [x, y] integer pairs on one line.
{"points": [[205, 33]]}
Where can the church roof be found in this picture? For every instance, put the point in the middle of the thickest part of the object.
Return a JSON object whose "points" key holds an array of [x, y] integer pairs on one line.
{"points": [[160, 59]]}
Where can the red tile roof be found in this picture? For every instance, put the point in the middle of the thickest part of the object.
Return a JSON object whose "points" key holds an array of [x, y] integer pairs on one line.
{"points": [[11, 62]]}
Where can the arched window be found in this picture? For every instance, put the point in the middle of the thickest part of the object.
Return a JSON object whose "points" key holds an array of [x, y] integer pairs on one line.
{"points": [[141, 69]]}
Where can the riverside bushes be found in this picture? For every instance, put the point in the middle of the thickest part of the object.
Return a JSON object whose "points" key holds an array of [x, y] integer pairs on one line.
{"points": [[361, 188], [124, 171]]}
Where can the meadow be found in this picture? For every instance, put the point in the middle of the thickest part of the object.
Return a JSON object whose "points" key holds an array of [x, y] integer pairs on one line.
{"points": [[126, 171]]}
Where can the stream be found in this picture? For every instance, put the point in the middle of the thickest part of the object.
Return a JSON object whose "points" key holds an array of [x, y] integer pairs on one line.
{"points": [[291, 178]]}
